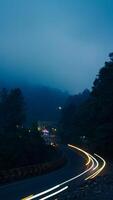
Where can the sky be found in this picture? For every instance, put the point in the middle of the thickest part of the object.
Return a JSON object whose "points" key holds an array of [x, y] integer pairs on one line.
{"points": [[58, 43]]}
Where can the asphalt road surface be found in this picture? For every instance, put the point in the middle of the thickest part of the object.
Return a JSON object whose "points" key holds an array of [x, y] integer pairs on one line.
{"points": [[21, 189], [76, 171]]}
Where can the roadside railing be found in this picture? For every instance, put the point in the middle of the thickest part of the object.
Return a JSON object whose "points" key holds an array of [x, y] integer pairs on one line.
{"points": [[11, 175]]}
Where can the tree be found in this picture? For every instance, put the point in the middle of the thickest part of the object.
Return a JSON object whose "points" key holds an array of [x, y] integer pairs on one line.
{"points": [[12, 109], [15, 109], [111, 56], [22, 147], [94, 117], [72, 117], [102, 91], [3, 110]]}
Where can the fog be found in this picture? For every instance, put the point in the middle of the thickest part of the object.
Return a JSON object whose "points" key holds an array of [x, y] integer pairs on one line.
{"points": [[61, 43]]}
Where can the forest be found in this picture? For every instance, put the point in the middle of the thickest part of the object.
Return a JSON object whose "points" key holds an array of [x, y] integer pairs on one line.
{"points": [[18, 146], [87, 118]]}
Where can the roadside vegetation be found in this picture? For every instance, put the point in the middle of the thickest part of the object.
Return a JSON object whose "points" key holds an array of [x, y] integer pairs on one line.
{"points": [[19, 147], [87, 118]]}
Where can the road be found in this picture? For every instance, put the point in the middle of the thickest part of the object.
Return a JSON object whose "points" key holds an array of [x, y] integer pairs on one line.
{"points": [[75, 170]]}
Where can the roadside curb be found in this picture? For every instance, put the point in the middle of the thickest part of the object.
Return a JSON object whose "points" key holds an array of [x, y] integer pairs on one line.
{"points": [[12, 175]]}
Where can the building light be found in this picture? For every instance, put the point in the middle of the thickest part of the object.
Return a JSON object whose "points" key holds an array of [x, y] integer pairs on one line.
{"points": [[39, 128], [45, 131]]}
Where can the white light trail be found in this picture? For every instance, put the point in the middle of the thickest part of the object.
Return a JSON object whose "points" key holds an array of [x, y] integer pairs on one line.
{"points": [[99, 170], [96, 161], [41, 193], [90, 160], [84, 172], [55, 193]]}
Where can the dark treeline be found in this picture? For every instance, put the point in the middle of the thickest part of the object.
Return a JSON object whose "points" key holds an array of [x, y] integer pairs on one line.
{"points": [[18, 146], [90, 121], [12, 109]]}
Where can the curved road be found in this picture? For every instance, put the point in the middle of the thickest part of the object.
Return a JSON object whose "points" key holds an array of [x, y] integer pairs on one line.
{"points": [[36, 185]]}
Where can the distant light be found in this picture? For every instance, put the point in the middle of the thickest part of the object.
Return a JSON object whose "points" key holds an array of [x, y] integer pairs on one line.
{"points": [[54, 129], [83, 137], [29, 131], [60, 108], [45, 131], [39, 128]]}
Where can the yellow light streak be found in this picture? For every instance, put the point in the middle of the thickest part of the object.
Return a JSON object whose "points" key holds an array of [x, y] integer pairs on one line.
{"points": [[90, 159], [103, 166], [84, 172], [26, 198], [69, 180], [96, 161], [84, 152]]}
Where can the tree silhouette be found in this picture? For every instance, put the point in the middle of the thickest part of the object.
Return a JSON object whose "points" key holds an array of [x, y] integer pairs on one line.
{"points": [[12, 109], [94, 117]]}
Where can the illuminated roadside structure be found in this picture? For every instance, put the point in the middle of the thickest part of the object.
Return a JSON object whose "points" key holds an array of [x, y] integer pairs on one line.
{"points": [[49, 138], [46, 124], [48, 131], [46, 136]]}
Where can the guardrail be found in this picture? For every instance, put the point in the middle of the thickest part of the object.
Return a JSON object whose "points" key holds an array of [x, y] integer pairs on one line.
{"points": [[11, 175]]}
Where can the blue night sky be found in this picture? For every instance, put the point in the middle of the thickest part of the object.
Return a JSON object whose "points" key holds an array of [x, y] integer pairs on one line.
{"points": [[58, 43]]}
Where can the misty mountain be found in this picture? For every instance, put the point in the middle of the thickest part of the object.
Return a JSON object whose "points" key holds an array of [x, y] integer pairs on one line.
{"points": [[77, 99], [42, 103]]}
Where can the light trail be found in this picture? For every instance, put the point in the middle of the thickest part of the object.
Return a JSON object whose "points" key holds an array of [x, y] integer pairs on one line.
{"points": [[69, 180], [84, 172], [103, 166], [41, 193], [99, 170], [26, 198], [90, 160], [96, 161], [47, 191], [84, 152], [55, 193]]}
